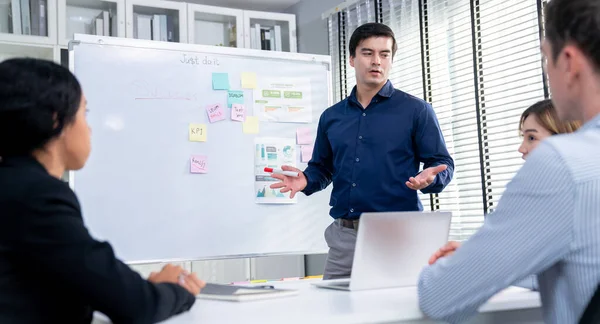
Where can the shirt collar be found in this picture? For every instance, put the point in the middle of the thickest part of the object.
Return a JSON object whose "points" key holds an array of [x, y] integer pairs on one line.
{"points": [[594, 122], [386, 91]]}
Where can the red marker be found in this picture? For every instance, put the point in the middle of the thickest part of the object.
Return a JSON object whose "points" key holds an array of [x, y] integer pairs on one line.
{"points": [[286, 173]]}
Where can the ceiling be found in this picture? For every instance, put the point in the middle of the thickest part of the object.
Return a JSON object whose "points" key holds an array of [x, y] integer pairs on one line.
{"points": [[260, 5]]}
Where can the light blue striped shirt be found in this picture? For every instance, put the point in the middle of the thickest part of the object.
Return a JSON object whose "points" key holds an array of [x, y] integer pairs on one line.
{"points": [[547, 223]]}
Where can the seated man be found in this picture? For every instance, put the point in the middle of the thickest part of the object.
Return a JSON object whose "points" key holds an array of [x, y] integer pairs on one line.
{"points": [[547, 222]]}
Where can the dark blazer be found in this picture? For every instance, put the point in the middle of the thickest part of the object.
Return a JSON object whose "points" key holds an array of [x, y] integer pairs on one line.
{"points": [[53, 271], [591, 314]]}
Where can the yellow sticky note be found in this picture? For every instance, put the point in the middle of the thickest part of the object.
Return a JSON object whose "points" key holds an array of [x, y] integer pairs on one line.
{"points": [[250, 125], [313, 277], [248, 80], [197, 133]]}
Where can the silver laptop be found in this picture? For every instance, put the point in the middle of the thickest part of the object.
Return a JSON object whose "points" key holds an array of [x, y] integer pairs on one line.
{"points": [[392, 248]]}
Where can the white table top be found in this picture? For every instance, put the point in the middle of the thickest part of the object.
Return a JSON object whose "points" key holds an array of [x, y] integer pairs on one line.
{"points": [[317, 305]]}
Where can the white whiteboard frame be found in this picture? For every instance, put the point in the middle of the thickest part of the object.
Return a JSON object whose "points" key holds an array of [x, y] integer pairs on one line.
{"points": [[149, 44]]}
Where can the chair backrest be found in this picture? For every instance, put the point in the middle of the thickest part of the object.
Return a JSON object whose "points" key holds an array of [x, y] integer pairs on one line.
{"points": [[592, 311]]}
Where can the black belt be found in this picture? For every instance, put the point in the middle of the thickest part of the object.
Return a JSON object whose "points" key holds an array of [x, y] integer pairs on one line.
{"points": [[349, 223]]}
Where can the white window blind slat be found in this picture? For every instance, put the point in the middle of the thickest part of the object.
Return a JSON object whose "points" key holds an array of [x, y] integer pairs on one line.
{"points": [[360, 13], [511, 81], [402, 16], [451, 56], [334, 51]]}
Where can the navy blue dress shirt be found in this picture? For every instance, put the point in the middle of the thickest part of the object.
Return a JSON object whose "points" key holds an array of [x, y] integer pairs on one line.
{"points": [[370, 153]]}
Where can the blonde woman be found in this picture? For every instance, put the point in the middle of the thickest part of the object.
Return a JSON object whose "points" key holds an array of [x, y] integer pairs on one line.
{"points": [[538, 122]]}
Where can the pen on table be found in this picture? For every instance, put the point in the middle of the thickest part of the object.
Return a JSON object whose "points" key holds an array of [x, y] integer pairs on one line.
{"points": [[278, 171]]}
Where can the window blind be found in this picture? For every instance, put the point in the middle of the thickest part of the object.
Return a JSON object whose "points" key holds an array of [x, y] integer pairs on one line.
{"points": [[402, 16], [541, 9], [357, 14], [335, 24], [510, 80], [448, 31], [407, 71]]}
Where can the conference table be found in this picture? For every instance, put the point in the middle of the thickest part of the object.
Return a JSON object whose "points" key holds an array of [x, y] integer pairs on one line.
{"points": [[317, 305]]}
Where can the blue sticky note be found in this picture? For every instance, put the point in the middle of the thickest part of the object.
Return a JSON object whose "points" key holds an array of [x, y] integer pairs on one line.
{"points": [[220, 81], [235, 97]]}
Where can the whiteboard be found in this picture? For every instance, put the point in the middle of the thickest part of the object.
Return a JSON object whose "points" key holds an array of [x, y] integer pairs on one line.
{"points": [[136, 189]]}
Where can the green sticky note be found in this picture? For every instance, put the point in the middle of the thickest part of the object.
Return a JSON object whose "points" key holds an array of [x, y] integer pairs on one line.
{"points": [[220, 81], [235, 97]]}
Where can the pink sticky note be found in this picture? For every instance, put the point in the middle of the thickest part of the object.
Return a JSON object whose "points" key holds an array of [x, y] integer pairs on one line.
{"points": [[238, 112], [215, 113], [307, 151], [199, 164], [304, 135]]}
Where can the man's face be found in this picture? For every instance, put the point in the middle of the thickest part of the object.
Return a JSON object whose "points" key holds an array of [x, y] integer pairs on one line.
{"points": [[373, 61]]}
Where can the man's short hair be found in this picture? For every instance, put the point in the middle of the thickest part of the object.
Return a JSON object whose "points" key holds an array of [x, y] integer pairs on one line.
{"points": [[576, 22], [371, 30]]}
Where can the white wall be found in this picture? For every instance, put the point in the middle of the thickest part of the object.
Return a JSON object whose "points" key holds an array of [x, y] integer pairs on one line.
{"points": [[312, 32]]}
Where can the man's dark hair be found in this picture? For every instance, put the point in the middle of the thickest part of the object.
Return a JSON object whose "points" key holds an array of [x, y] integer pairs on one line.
{"points": [[577, 22], [38, 99], [371, 30]]}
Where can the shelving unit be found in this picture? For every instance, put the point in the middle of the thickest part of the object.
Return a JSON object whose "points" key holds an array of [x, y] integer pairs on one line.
{"points": [[32, 23], [270, 31], [56, 21], [10, 50], [210, 25], [156, 20], [94, 17]]}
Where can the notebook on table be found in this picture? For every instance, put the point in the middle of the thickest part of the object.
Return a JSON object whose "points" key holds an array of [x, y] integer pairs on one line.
{"points": [[243, 293]]}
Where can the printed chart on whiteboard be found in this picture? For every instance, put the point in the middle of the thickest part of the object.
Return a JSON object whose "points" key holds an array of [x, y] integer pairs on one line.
{"points": [[272, 153], [283, 100]]}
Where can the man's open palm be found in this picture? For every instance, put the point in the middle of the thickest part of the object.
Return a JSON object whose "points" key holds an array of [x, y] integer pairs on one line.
{"points": [[291, 184], [425, 178]]}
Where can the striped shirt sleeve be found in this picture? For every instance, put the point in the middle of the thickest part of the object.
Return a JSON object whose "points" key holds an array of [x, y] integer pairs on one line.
{"points": [[511, 244]]}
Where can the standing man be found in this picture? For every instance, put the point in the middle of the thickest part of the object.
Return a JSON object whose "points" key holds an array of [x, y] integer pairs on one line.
{"points": [[370, 145], [548, 220]]}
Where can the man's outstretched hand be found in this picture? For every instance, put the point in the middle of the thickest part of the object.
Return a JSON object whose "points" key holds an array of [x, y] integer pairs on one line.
{"points": [[425, 178]]}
